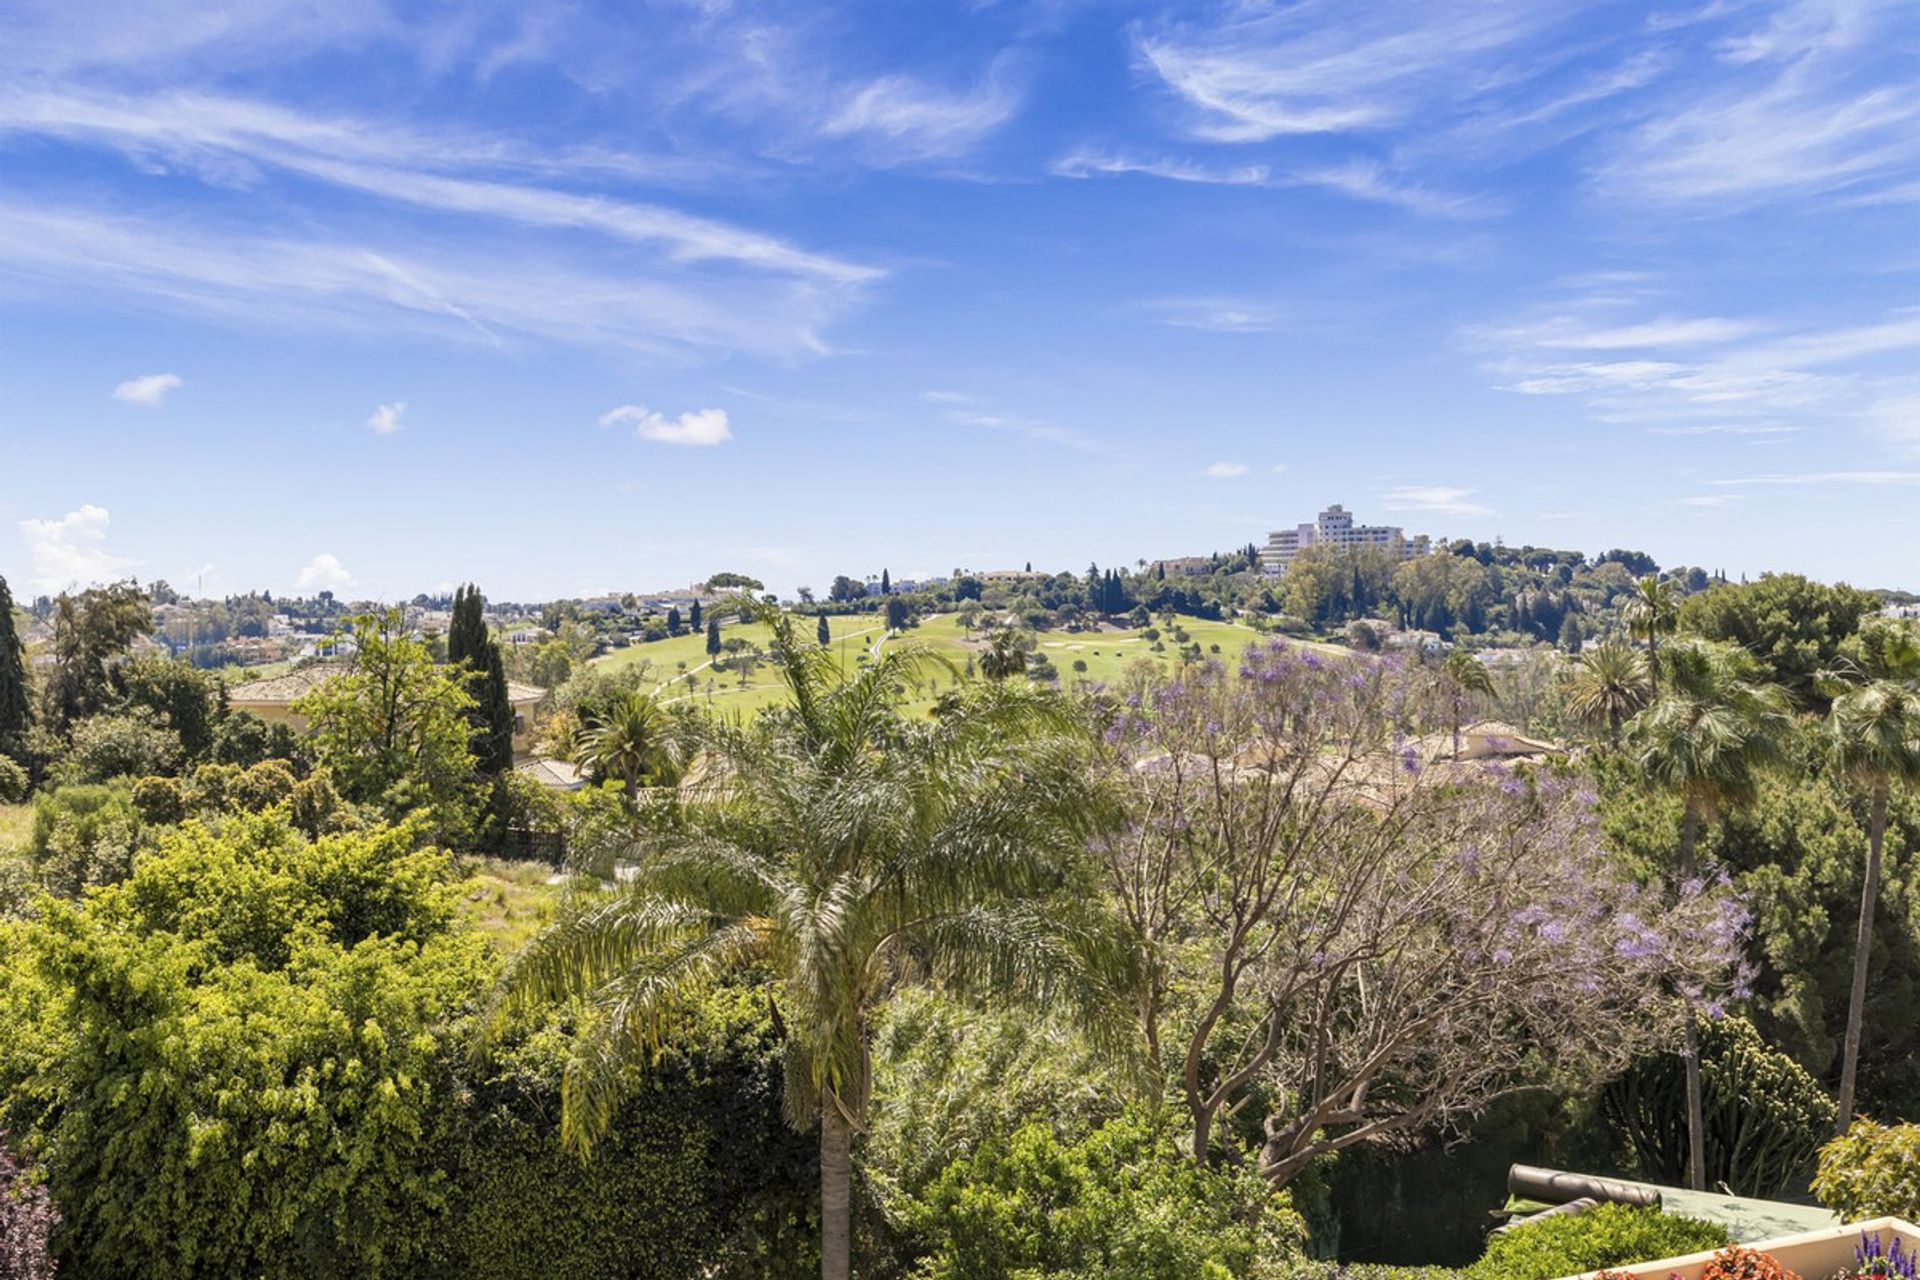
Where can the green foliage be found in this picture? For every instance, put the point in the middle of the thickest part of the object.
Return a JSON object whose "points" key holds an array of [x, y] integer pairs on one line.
{"points": [[176, 695], [393, 730], [16, 705], [1766, 1116], [472, 649], [13, 781], [949, 1078], [1608, 1236], [698, 1176], [161, 801], [1119, 1203], [129, 745], [82, 836], [261, 1028], [244, 739], [91, 631], [1871, 1171], [1793, 626]]}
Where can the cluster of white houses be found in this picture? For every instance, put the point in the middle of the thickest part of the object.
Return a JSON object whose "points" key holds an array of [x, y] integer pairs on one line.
{"points": [[1334, 527]]}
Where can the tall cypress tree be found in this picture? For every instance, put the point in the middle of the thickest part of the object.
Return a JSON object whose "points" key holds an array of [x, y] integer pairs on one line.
{"points": [[713, 637], [471, 645], [886, 583], [16, 710], [823, 633], [693, 617]]}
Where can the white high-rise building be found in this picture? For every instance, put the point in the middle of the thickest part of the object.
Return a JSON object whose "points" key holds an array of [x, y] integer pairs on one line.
{"points": [[1334, 527]]}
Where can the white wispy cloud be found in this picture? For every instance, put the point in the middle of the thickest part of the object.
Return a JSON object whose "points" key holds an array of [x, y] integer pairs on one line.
{"points": [[149, 389], [1808, 479], [1711, 500], [698, 427], [204, 133], [906, 117], [1357, 178], [249, 276], [1224, 470], [1815, 98], [71, 550], [1438, 499], [385, 420], [1034, 429], [1570, 333], [323, 573], [1252, 73], [1215, 315]]}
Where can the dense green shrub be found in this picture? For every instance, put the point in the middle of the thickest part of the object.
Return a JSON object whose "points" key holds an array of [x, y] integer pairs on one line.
{"points": [[264, 785], [238, 1061], [1871, 1171], [82, 836], [1766, 1116], [244, 739], [14, 780], [1608, 1236], [1120, 1204], [699, 1175], [161, 801], [949, 1077], [253, 1058], [129, 745]]}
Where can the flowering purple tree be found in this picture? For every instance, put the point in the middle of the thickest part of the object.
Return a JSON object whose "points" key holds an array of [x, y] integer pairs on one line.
{"points": [[1362, 939], [27, 1220]]}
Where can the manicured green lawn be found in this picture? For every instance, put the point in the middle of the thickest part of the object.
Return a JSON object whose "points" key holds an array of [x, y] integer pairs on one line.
{"points": [[1106, 654]]}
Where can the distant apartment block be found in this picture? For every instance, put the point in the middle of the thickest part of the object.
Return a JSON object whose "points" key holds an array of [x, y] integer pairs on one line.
{"points": [[1186, 566], [1334, 527]]}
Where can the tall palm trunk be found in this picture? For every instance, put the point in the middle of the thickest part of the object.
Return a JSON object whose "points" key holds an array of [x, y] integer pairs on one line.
{"points": [[1862, 952], [836, 1192], [1696, 1112]]}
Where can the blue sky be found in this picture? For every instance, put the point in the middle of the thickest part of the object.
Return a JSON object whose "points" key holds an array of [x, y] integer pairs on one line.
{"points": [[564, 297]]}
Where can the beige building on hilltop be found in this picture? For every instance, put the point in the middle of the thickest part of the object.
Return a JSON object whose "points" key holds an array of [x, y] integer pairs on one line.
{"points": [[1334, 527], [272, 700]]}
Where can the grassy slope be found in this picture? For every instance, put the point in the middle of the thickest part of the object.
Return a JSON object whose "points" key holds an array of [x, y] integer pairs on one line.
{"points": [[1106, 654], [508, 901], [15, 819]]}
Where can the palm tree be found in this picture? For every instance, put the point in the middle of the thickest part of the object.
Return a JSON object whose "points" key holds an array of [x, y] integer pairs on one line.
{"points": [[1707, 738], [1465, 676], [1006, 656], [1610, 686], [634, 739], [1873, 740], [1653, 611], [843, 850]]}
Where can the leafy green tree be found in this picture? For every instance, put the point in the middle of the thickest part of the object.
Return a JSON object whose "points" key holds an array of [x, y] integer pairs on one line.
{"points": [[16, 706], [634, 739], [183, 699], [90, 631], [1651, 612], [393, 728], [1795, 628], [1610, 686], [896, 614], [116, 745], [830, 841], [1707, 738], [1873, 741]]}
